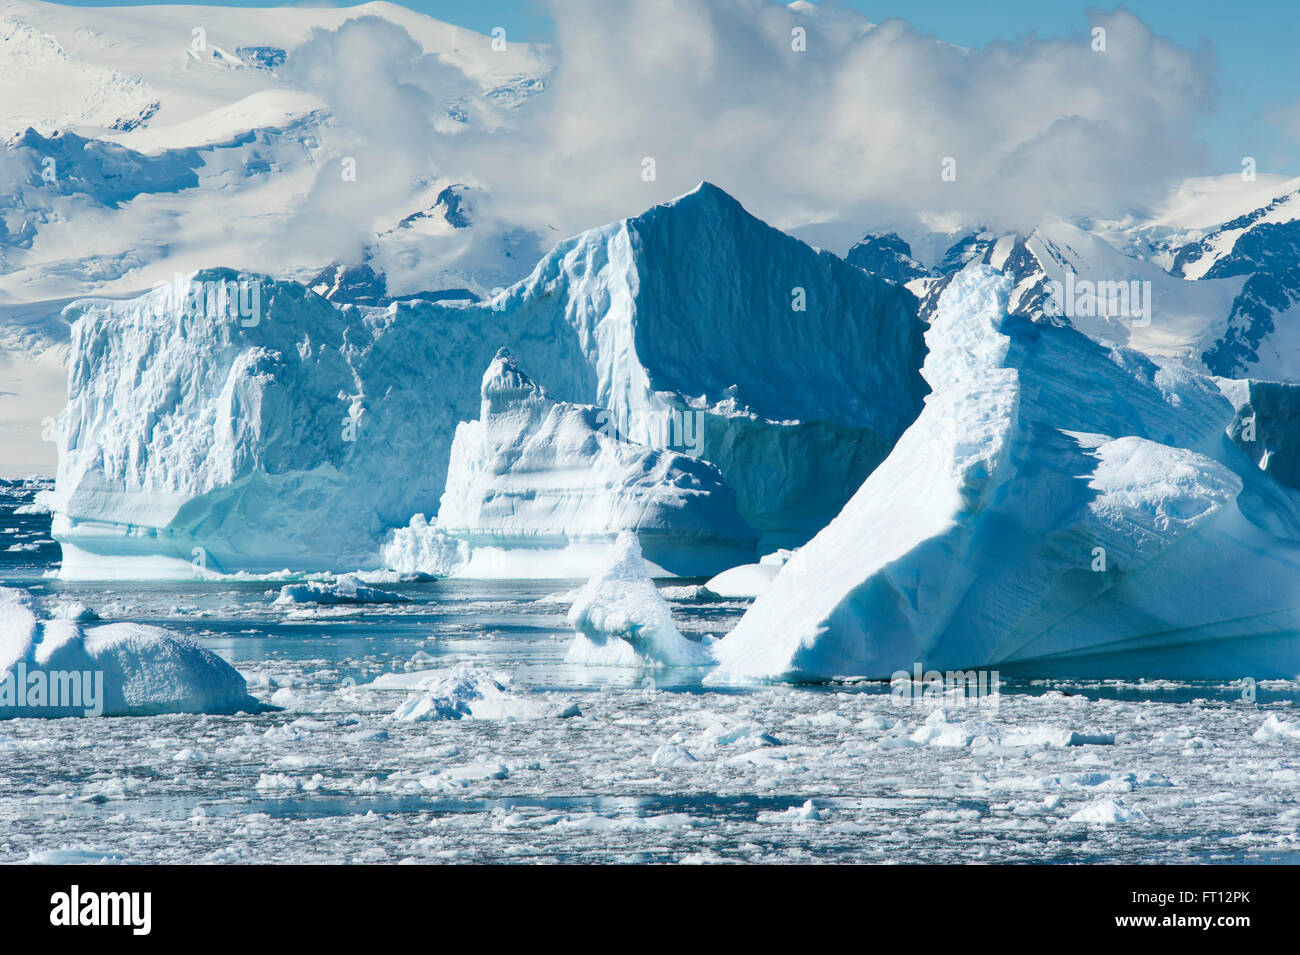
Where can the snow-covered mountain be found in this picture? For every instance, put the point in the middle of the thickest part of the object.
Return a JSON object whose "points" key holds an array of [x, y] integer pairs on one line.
{"points": [[195, 113], [1222, 294], [256, 425], [145, 143]]}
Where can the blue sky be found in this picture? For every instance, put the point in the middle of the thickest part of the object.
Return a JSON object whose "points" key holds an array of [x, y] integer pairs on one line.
{"points": [[1255, 44]]}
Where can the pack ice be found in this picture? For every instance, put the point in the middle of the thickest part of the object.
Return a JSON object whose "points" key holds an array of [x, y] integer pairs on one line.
{"points": [[132, 669], [295, 433], [540, 488], [1060, 507]]}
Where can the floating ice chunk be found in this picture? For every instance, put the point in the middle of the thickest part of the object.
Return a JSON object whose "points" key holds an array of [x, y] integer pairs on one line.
{"points": [[565, 597], [76, 855], [466, 693], [808, 812], [1275, 729], [74, 610], [670, 755], [1108, 812], [621, 620], [749, 580], [460, 777], [347, 589], [120, 669], [683, 592], [730, 733], [420, 548], [1055, 737], [939, 730]]}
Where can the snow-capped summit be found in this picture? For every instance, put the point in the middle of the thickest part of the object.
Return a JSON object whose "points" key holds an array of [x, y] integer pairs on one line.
{"points": [[886, 255]]}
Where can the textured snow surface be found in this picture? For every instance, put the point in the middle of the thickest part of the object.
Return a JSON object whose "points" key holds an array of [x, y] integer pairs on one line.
{"points": [[533, 476], [302, 438], [1060, 507], [420, 548], [621, 619], [145, 670]]}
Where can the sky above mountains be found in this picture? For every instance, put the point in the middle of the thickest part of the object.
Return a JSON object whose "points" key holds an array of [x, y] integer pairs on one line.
{"points": [[1252, 99]]}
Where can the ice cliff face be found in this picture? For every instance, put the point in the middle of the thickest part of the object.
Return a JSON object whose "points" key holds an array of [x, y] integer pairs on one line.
{"points": [[1059, 507], [541, 488], [241, 423]]}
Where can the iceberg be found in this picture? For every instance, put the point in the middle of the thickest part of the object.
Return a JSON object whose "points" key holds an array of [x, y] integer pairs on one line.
{"points": [[621, 620], [468, 693], [748, 580], [541, 488], [227, 422], [347, 589], [57, 668], [1059, 508], [420, 548]]}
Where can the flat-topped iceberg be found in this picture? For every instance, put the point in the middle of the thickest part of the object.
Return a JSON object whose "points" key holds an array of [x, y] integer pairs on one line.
{"points": [[1060, 507], [541, 488], [57, 667], [227, 422]]}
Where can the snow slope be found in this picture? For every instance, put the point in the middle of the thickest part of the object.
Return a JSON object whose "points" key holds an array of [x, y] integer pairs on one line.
{"points": [[301, 438], [1059, 507], [209, 85]]}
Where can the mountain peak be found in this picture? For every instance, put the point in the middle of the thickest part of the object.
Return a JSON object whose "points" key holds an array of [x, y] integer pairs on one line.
{"points": [[706, 193]]}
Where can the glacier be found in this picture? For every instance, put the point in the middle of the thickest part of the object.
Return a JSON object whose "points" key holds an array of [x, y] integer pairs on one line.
{"points": [[1059, 508], [541, 488], [200, 437]]}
